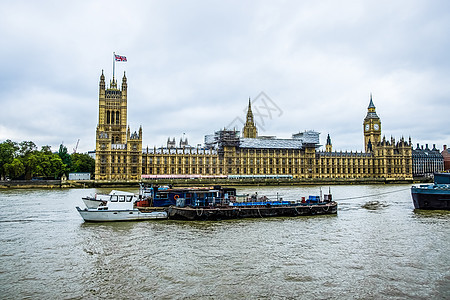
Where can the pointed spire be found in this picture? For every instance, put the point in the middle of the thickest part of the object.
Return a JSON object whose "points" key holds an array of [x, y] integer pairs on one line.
{"points": [[249, 130], [113, 83], [328, 146], [371, 102], [249, 111], [371, 113]]}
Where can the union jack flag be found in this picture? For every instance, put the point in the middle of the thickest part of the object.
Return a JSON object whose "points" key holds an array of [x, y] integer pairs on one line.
{"points": [[119, 58]]}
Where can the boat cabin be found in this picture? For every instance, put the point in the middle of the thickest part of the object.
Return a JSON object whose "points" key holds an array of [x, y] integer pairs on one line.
{"points": [[195, 196], [118, 201]]}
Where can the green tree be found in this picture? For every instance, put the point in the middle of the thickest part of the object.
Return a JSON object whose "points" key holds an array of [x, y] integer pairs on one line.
{"points": [[8, 150], [46, 150], [42, 167], [24, 161], [46, 164], [82, 163], [26, 147], [65, 157], [15, 169], [31, 162], [57, 167]]}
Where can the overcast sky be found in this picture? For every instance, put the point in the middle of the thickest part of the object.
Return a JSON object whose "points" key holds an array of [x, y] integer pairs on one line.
{"points": [[193, 65]]}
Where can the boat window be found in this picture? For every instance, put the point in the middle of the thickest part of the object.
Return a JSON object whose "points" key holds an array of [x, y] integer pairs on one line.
{"points": [[163, 196], [121, 198], [129, 198], [114, 198]]}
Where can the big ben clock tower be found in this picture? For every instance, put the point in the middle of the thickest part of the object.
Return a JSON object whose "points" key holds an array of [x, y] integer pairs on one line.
{"points": [[371, 127]]}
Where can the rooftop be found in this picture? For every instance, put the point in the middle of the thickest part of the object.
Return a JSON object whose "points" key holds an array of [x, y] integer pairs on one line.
{"points": [[271, 143]]}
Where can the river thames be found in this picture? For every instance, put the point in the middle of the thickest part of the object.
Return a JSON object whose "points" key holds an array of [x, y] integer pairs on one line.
{"points": [[376, 247]]}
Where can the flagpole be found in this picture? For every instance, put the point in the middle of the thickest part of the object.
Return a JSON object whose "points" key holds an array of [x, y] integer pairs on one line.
{"points": [[114, 63]]}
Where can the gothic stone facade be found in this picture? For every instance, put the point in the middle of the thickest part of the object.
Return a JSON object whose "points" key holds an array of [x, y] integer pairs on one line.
{"points": [[427, 161], [119, 154]]}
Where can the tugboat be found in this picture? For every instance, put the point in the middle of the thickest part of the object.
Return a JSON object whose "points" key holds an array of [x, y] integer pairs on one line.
{"points": [[252, 207], [433, 196]]}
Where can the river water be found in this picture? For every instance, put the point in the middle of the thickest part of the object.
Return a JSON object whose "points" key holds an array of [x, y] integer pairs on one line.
{"points": [[376, 247]]}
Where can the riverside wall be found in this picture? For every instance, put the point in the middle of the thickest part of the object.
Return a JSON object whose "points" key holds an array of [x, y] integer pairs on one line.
{"points": [[28, 184], [12, 184]]}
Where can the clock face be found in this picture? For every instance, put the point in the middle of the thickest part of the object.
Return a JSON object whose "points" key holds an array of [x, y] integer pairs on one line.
{"points": [[367, 127], [376, 127]]}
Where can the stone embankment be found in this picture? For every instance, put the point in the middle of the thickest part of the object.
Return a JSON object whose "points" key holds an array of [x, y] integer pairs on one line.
{"points": [[28, 184], [198, 182]]}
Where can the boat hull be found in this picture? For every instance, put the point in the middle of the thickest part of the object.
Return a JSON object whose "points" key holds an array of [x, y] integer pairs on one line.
{"points": [[223, 213], [120, 215], [431, 197]]}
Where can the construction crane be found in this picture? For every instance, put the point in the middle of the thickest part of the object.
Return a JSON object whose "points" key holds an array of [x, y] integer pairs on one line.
{"points": [[76, 147]]}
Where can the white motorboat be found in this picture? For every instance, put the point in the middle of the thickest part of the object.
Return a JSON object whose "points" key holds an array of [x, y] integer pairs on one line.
{"points": [[120, 206], [97, 199]]}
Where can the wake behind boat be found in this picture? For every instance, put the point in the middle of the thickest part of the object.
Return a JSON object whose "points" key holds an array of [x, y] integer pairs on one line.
{"points": [[119, 206]]}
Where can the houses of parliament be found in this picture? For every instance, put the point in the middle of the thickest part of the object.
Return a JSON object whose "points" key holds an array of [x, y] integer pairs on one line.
{"points": [[121, 157]]}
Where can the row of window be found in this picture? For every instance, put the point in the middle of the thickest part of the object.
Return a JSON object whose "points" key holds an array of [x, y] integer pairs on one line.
{"points": [[119, 170], [264, 171], [119, 159], [273, 161], [427, 167]]}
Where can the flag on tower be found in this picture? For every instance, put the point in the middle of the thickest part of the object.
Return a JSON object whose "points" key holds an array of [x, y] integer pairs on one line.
{"points": [[119, 58]]}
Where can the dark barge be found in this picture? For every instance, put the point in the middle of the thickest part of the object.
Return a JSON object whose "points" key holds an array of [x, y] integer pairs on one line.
{"points": [[253, 211], [221, 203]]}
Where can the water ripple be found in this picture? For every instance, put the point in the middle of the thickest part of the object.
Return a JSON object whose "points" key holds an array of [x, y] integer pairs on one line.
{"points": [[374, 248]]}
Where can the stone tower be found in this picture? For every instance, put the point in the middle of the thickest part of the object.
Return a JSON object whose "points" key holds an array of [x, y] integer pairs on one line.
{"points": [[112, 110], [249, 130], [371, 127], [118, 152]]}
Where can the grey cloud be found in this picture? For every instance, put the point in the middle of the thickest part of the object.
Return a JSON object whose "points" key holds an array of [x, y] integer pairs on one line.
{"points": [[192, 66]]}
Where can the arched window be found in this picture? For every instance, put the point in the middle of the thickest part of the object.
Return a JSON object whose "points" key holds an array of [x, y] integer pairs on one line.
{"points": [[117, 117], [112, 117], [108, 117]]}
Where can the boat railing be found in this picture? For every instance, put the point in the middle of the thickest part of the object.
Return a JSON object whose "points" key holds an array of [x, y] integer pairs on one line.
{"points": [[211, 201], [255, 200]]}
